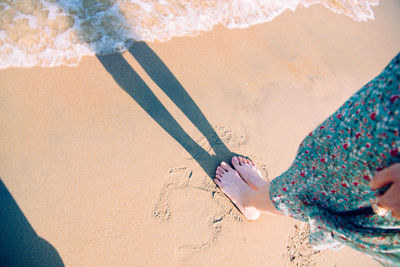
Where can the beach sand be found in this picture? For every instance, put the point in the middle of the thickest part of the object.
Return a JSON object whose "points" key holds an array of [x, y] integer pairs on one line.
{"points": [[108, 163]]}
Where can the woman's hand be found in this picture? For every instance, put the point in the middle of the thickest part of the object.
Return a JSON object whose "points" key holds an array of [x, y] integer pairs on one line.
{"points": [[391, 198]]}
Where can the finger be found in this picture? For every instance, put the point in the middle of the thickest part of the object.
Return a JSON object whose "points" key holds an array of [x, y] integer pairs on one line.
{"points": [[385, 177], [396, 214], [391, 198], [385, 201]]}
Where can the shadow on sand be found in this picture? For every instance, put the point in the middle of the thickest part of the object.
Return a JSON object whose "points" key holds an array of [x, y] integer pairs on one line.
{"points": [[130, 82], [19, 244]]}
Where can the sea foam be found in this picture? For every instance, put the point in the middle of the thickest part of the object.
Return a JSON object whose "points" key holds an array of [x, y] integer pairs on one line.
{"points": [[51, 33]]}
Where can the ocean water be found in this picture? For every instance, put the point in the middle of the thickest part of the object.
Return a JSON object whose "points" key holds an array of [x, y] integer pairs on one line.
{"points": [[51, 33]]}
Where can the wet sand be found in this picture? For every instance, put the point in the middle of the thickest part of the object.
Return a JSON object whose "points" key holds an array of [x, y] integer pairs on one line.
{"points": [[109, 163]]}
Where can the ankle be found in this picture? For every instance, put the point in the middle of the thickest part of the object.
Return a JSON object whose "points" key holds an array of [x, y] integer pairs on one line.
{"points": [[260, 200]]}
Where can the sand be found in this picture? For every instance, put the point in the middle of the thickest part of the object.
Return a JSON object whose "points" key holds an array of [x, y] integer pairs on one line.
{"points": [[108, 163]]}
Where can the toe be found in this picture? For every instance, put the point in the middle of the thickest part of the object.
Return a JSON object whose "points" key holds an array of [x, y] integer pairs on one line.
{"points": [[220, 169], [217, 181], [219, 172], [226, 166], [235, 162], [248, 161]]}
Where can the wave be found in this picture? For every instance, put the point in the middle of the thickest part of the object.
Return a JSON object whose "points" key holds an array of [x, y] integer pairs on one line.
{"points": [[51, 33]]}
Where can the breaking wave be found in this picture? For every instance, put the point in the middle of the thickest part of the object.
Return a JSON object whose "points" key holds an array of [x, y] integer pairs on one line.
{"points": [[59, 32]]}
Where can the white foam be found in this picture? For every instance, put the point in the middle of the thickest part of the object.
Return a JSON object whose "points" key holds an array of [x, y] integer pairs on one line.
{"points": [[47, 34]]}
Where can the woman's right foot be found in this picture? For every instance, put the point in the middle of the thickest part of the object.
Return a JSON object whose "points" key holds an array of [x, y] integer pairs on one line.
{"points": [[249, 173], [229, 181]]}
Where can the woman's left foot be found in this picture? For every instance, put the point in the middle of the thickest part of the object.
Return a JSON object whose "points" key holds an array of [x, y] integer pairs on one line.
{"points": [[229, 181]]}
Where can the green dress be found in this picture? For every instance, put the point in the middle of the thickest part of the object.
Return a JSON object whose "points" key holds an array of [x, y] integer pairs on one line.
{"points": [[328, 182]]}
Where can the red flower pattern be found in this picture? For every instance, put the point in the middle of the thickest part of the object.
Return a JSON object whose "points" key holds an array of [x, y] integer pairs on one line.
{"points": [[361, 143]]}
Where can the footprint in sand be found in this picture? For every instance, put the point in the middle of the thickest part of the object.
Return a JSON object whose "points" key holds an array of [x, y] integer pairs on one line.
{"points": [[178, 180], [225, 137], [299, 251], [188, 202]]}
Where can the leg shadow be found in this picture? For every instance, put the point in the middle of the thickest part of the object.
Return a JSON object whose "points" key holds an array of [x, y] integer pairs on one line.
{"points": [[167, 82], [19, 244], [130, 82]]}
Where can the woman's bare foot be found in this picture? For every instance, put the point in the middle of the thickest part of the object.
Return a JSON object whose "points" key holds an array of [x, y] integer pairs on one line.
{"points": [[246, 189], [249, 173], [229, 181]]}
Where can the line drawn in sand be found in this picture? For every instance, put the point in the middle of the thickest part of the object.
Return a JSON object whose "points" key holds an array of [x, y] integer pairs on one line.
{"points": [[193, 199], [226, 138], [232, 141], [298, 250], [187, 199]]}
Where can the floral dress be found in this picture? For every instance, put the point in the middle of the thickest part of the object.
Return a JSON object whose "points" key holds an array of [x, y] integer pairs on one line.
{"points": [[328, 182]]}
